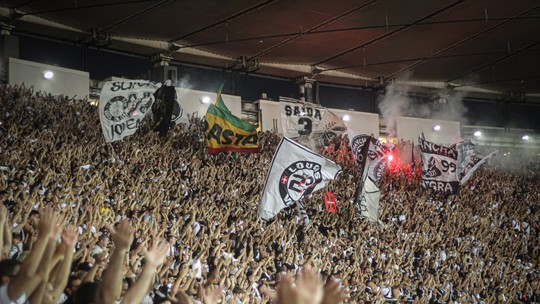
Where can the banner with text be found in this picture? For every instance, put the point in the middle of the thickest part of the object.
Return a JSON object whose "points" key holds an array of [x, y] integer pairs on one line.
{"points": [[225, 132], [295, 172], [439, 168], [122, 106]]}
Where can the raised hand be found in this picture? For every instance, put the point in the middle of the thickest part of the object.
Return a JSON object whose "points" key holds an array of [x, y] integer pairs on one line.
{"points": [[181, 298], [49, 222], [122, 234], [333, 293], [211, 295], [69, 236], [156, 254]]}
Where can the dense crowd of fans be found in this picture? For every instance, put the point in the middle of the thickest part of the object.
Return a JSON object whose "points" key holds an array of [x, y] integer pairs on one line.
{"points": [[147, 220]]}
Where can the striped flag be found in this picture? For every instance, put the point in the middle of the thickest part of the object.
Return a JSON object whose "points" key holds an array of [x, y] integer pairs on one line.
{"points": [[226, 132]]}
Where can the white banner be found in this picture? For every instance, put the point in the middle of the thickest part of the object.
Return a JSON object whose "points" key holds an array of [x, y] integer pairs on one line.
{"points": [[300, 119], [439, 168], [368, 203], [295, 172], [122, 106], [477, 165], [467, 157]]}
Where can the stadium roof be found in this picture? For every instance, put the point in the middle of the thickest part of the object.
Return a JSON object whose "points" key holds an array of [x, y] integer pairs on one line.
{"points": [[484, 46]]}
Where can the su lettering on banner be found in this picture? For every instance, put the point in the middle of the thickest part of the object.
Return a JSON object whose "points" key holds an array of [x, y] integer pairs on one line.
{"points": [[330, 202]]}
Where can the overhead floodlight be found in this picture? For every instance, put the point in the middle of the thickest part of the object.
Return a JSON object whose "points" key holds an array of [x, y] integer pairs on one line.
{"points": [[205, 99], [346, 117], [437, 128], [477, 134], [48, 74], [525, 137]]}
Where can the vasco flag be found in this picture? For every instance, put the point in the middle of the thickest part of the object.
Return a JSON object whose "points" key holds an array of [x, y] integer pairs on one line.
{"points": [[376, 152], [477, 162], [370, 155], [368, 202], [122, 106], [295, 172], [225, 132], [439, 168]]}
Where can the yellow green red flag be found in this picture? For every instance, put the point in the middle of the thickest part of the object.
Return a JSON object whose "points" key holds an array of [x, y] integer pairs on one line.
{"points": [[226, 132]]}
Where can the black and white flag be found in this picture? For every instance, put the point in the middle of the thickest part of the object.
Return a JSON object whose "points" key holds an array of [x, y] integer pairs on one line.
{"points": [[370, 155], [122, 107], [376, 152], [476, 162], [295, 172], [124, 104], [439, 167]]}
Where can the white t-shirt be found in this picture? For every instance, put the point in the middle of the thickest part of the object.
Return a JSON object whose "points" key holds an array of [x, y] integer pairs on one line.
{"points": [[4, 299]]}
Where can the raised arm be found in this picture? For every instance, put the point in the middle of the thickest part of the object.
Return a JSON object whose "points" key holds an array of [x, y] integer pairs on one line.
{"points": [[28, 279], [154, 257], [69, 240], [111, 286]]}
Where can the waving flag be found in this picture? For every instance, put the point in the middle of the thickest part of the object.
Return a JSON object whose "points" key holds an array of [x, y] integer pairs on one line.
{"points": [[295, 172], [226, 132], [439, 167], [370, 155]]}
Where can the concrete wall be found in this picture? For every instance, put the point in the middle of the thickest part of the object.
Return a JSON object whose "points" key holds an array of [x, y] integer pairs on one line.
{"points": [[191, 101], [65, 81], [409, 128]]}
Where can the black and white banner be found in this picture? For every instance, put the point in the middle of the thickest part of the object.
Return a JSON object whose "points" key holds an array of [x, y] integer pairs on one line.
{"points": [[124, 104], [309, 124], [439, 167], [477, 162], [467, 157], [376, 152], [295, 172], [300, 119], [368, 202]]}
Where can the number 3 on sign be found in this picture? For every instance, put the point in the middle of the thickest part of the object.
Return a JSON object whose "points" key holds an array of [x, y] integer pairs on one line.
{"points": [[308, 125]]}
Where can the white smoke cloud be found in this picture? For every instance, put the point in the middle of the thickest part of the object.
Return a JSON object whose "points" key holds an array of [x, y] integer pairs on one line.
{"points": [[398, 101]]}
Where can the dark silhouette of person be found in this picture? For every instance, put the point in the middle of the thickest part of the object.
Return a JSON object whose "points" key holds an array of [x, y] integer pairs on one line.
{"points": [[167, 93]]}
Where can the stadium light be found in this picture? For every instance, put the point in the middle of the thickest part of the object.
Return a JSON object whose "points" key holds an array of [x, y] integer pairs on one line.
{"points": [[346, 117], [437, 128], [525, 137], [477, 133], [205, 99], [48, 74]]}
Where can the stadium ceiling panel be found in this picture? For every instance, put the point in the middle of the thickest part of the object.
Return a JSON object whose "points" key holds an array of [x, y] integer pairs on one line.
{"points": [[487, 46]]}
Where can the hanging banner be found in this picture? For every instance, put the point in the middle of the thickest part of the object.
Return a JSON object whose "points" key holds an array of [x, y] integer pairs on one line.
{"points": [[295, 172], [439, 168], [122, 106], [309, 124]]}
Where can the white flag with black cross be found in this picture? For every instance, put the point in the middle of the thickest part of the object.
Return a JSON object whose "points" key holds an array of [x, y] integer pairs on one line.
{"points": [[295, 172]]}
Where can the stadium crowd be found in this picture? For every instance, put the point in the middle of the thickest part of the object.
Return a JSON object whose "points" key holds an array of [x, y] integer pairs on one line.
{"points": [[147, 220]]}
